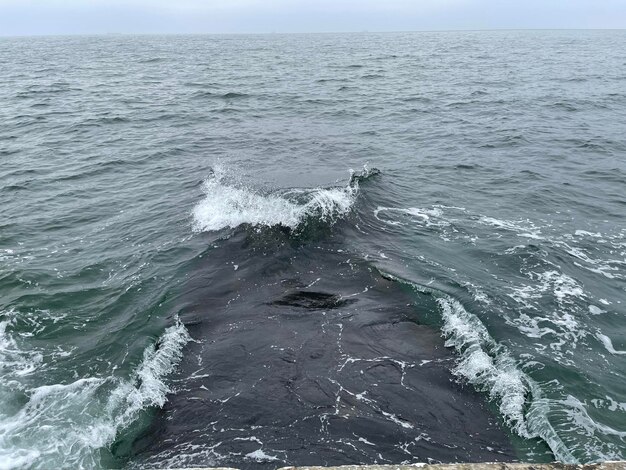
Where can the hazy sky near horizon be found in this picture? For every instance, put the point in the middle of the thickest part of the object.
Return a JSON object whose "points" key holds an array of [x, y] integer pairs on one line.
{"points": [[26, 17]]}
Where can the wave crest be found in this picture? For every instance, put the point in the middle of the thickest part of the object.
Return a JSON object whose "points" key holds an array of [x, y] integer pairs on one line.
{"points": [[64, 425], [489, 367], [228, 206]]}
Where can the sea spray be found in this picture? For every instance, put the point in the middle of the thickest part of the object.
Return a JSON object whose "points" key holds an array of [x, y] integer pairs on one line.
{"points": [[65, 425], [229, 205], [490, 368]]}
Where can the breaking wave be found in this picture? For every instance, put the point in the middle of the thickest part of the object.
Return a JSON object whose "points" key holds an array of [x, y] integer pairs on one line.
{"points": [[228, 205], [490, 368], [65, 425]]}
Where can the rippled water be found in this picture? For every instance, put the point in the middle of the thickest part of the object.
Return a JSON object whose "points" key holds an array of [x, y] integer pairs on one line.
{"points": [[190, 275]]}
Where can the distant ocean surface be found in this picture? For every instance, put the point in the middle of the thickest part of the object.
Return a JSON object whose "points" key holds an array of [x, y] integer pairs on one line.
{"points": [[268, 250]]}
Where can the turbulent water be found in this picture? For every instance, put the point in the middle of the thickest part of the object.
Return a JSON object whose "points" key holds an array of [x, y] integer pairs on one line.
{"points": [[258, 251]]}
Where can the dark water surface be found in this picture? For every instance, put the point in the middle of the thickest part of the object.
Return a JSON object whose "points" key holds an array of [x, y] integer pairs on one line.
{"points": [[191, 275]]}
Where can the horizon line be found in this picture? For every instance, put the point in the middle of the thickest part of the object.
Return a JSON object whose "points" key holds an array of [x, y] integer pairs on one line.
{"points": [[269, 33]]}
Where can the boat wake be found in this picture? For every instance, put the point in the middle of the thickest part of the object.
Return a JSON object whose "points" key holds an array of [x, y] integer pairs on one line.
{"points": [[490, 368], [66, 425]]}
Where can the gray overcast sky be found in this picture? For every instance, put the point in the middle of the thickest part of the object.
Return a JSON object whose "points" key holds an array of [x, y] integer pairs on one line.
{"points": [[26, 17]]}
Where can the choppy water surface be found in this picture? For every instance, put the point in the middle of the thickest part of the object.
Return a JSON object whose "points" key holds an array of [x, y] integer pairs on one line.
{"points": [[191, 275]]}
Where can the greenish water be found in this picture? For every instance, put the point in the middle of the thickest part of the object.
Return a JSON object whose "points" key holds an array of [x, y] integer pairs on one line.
{"points": [[152, 187]]}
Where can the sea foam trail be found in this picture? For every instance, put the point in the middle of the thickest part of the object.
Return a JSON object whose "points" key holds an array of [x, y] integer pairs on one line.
{"points": [[64, 425], [489, 367], [13, 361], [228, 206]]}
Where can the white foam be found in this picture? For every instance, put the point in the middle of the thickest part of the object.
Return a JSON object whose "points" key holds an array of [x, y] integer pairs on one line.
{"points": [[261, 456], [530, 326], [483, 363], [365, 441], [425, 214], [563, 287], [489, 367], [524, 229], [430, 217], [13, 360], [608, 344], [184, 455], [594, 265], [581, 233], [477, 293], [601, 441], [229, 206], [579, 415], [561, 325], [394, 419], [595, 310], [64, 425], [553, 308]]}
